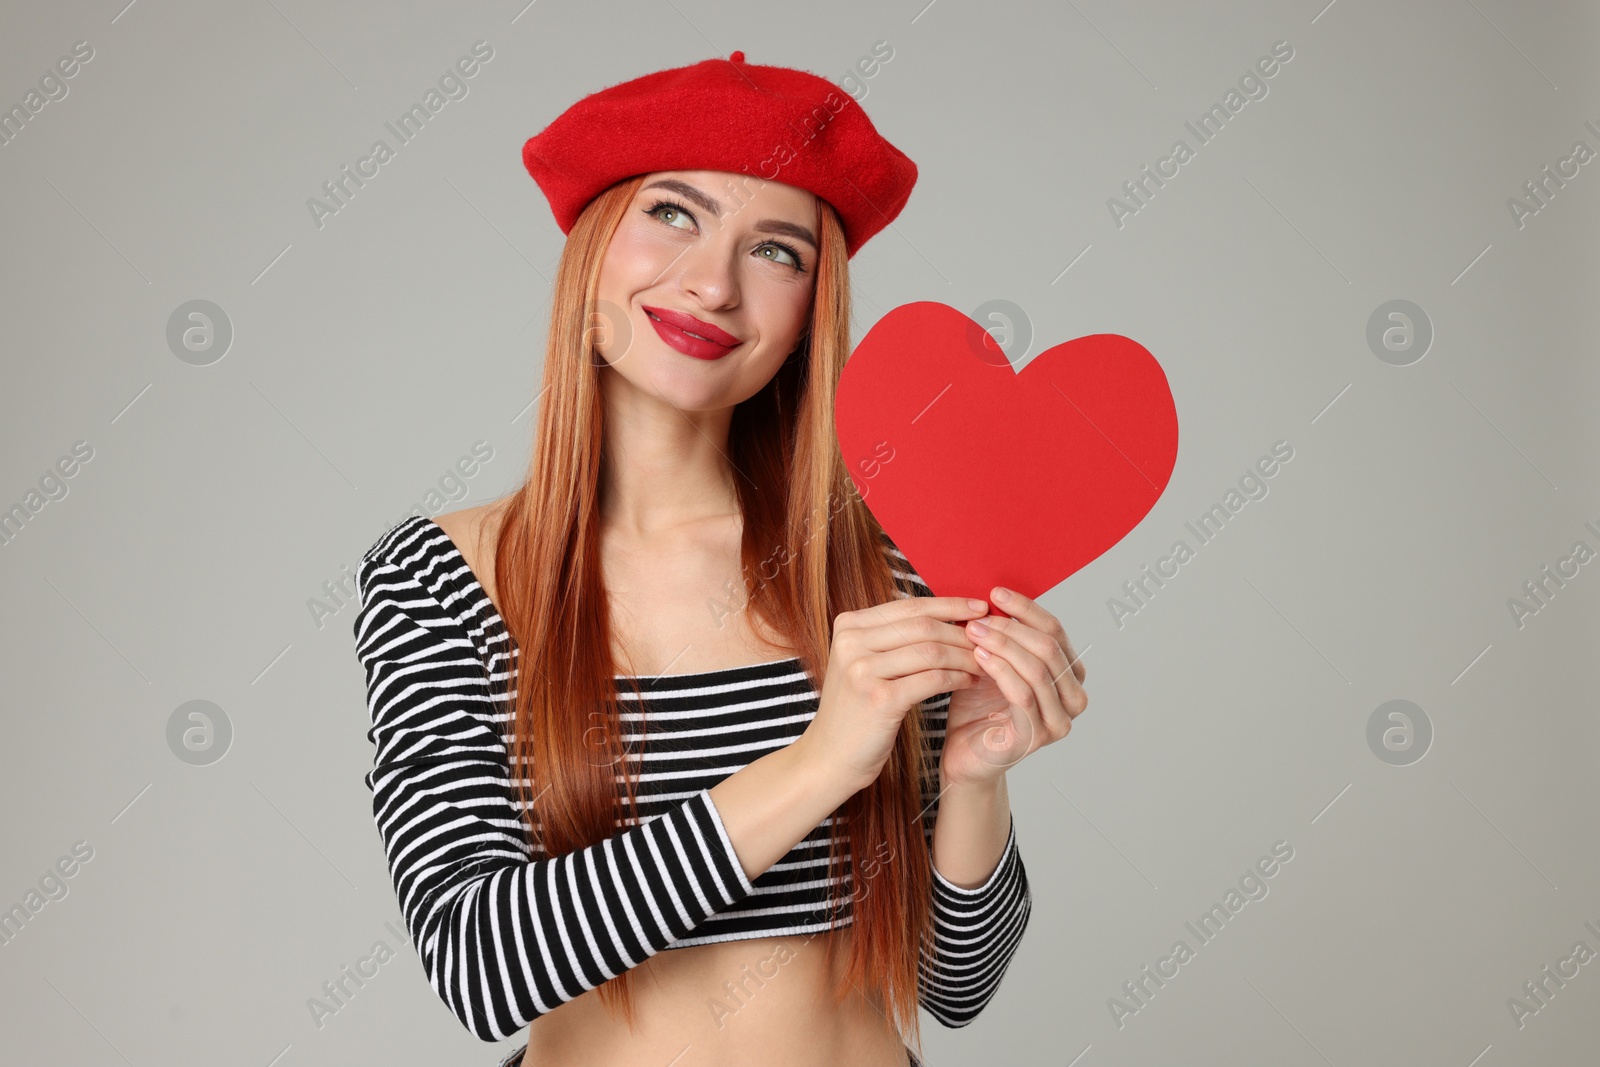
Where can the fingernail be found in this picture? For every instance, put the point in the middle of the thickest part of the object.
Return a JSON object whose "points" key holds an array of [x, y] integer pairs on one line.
{"points": [[976, 605], [1002, 593], [978, 627]]}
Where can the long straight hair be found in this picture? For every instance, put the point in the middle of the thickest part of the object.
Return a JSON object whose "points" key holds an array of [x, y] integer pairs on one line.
{"points": [[810, 550]]}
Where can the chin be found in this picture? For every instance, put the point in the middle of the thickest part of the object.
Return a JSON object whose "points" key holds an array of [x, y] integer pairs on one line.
{"points": [[685, 383]]}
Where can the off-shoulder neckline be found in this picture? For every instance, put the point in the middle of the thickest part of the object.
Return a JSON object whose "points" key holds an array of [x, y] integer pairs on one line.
{"points": [[482, 597]]}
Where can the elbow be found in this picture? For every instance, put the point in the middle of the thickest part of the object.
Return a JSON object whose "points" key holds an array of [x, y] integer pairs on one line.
{"points": [[961, 1007], [954, 1004], [955, 1022], [486, 1026], [955, 995], [956, 1015], [481, 1030], [488, 1015], [958, 1012]]}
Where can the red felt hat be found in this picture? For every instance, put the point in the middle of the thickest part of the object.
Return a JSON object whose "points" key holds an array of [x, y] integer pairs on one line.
{"points": [[776, 123]]}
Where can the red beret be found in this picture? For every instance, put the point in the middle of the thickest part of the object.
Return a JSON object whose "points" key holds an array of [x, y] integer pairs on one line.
{"points": [[776, 123]]}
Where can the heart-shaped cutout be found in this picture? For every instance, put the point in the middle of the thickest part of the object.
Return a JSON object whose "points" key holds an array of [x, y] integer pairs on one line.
{"points": [[983, 476]]}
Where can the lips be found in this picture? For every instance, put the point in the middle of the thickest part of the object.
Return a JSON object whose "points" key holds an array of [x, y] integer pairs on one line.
{"points": [[689, 335]]}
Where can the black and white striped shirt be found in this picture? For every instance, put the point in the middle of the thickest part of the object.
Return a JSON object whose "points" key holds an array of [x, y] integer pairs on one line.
{"points": [[507, 933]]}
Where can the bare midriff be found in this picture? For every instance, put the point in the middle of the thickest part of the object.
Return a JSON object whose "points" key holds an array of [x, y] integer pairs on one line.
{"points": [[766, 1000]]}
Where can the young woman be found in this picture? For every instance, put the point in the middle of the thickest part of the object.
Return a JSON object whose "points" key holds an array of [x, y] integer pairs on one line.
{"points": [[820, 860]]}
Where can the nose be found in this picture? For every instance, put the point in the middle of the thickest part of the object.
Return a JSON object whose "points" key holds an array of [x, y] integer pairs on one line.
{"points": [[707, 272]]}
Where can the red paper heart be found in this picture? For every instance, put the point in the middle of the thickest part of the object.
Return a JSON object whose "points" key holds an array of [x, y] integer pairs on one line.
{"points": [[983, 476]]}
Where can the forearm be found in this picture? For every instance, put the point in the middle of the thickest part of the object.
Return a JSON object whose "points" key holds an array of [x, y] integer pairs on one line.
{"points": [[769, 806], [970, 832], [981, 903]]}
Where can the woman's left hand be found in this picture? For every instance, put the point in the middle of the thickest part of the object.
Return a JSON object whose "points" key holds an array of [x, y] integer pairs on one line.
{"points": [[1030, 693]]}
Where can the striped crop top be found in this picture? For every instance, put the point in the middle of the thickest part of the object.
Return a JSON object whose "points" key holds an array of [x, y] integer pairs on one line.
{"points": [[507, 933]]}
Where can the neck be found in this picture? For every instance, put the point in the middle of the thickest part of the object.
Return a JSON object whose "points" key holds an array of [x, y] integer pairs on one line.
{"points": [[664, 467]]}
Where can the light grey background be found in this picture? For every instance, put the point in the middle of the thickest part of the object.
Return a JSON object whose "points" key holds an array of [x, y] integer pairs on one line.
{"points": [[1227, 714]]}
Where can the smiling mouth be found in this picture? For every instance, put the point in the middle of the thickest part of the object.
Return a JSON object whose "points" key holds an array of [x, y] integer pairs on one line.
{"points": [[691, 333]]}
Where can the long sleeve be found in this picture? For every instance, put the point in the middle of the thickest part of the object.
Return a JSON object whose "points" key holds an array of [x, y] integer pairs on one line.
{"points": [[976, 931], [505, 938]]}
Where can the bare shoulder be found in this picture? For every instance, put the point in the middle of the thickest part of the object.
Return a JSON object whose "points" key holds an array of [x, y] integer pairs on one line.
{"points": [[475, 531]]}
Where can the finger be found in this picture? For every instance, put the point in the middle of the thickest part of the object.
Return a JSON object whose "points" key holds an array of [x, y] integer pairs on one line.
{"points": [[1042, 645], [1036, 674], [902, 661], [922, 627], [934, 624], [1033, 613], [905, 609], [913, 689], [1019, 694], [1047, 650]]}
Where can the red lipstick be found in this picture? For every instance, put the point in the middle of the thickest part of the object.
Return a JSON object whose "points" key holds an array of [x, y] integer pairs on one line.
{"points": [[690, 335]]}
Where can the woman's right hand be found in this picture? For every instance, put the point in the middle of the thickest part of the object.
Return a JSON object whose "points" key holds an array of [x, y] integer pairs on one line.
{"points": [[883, 661]]}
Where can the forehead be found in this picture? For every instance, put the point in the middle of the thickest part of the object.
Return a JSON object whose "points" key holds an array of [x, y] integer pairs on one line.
{"points": [[730, 189]]}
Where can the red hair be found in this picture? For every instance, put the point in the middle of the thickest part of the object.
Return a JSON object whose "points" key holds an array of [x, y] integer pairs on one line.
{"points": [[810, 550]]}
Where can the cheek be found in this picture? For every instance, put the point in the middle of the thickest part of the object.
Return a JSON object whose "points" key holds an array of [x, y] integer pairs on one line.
{"points": [[785, 311], [631, 263]]}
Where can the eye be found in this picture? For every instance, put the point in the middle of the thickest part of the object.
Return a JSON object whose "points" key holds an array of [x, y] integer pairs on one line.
{"points": [[671, 212], [783, 249], [673, 208]]}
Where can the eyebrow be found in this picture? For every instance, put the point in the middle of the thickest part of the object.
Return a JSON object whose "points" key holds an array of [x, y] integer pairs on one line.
{"points": [[689, 192]]}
